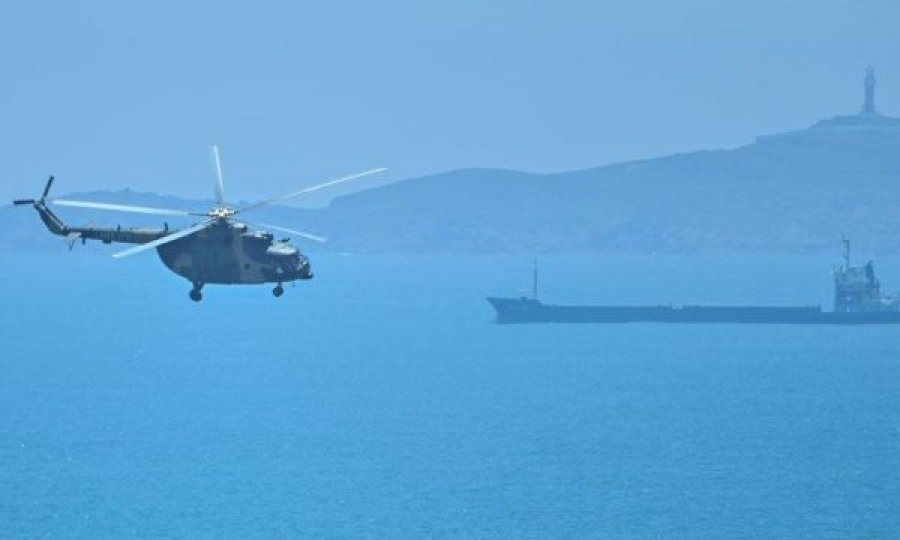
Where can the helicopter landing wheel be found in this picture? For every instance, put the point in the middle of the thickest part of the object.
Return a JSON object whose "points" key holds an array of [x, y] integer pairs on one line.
{"points": [[195, 293], [278, 290]]}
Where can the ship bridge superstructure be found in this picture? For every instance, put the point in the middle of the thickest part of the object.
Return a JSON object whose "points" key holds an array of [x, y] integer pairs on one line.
{"points": [[856, 289]]}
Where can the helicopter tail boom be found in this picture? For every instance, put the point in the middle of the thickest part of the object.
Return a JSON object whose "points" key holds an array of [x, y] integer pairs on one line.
{"points": [[56, 226]]}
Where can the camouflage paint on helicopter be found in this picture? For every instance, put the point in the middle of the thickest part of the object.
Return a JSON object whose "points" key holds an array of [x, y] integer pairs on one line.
{"points": [[228, 252], [217, 250]]}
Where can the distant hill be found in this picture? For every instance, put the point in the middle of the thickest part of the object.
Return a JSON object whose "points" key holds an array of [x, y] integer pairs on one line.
{"points": [[798, 191]]}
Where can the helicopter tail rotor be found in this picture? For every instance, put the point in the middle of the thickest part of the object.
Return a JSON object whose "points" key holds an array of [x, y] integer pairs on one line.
{"points": [[47, 188], [20, 202]]}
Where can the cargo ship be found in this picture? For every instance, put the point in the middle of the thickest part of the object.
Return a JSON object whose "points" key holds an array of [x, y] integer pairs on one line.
{"points": [[858, 299]]}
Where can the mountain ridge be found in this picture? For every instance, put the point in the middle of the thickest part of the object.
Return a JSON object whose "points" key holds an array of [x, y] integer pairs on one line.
{"points": [[798, 191]]}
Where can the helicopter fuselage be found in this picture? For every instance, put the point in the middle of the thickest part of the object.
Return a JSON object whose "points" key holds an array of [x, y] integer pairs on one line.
{"points": [[229, 253], [225, 252]]}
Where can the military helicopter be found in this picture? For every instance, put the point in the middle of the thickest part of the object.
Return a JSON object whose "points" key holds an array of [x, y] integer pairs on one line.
{"points": [[217, 250]]}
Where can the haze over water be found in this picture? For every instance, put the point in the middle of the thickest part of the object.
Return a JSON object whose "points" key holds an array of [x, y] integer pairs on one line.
{"points": [[109, 94], [380, 401]]}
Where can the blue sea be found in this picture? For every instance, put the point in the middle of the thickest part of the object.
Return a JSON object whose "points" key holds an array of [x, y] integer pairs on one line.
{"points": [[379, 400]]}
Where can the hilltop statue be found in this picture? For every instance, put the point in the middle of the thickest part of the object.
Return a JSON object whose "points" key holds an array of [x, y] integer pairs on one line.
{"points": [[869, 105], [867, 120]]}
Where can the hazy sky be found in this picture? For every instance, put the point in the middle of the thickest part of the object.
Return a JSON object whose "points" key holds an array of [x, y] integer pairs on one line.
{"points": [[109, 94]]}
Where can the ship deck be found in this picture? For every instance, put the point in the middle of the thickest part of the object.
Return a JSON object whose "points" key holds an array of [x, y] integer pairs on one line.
{"points": [[528, 310]]}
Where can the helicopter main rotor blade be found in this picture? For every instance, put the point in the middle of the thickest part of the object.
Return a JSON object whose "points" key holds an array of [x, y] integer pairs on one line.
{"points": [[125, 208], [220, 183], [291, 232], [311, 189], [164, 240]]}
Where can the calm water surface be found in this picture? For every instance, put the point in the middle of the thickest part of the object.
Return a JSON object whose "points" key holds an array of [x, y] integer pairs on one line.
{"points": [[379, 401]]}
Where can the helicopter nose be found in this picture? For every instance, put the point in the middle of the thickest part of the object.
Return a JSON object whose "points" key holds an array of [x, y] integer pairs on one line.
{"points": [[303, 267]]}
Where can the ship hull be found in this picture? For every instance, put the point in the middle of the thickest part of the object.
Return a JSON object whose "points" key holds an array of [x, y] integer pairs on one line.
{"points": [[527, 310]]}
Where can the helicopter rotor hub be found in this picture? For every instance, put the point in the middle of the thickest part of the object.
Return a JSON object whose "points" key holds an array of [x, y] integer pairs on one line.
{"points": [[222, 212]]}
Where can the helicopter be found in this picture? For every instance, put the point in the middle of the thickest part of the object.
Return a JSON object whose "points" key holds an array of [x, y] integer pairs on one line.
{"points": [[217, 250]]}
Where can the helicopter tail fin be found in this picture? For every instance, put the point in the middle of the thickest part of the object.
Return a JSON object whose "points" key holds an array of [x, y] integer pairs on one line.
{"points": [[53, 223]]}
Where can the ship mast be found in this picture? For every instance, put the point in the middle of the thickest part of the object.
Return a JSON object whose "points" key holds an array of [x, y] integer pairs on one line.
{"points": [[846, 253], [534, 281]]}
